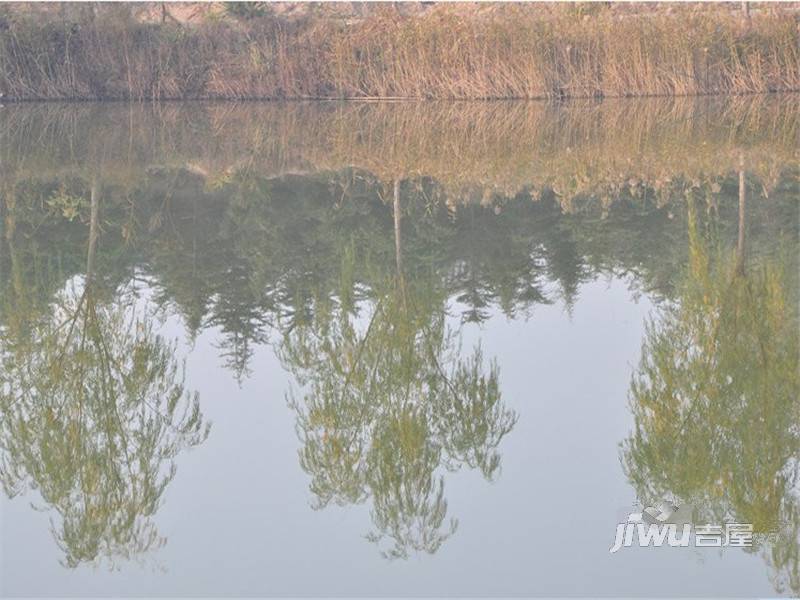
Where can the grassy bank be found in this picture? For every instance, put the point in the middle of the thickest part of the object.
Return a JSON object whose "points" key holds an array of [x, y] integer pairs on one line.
{"points": [[515, 51]]}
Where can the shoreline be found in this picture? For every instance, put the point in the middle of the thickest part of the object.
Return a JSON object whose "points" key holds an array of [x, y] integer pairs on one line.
{"points": [[390, 100], [517, 54]]}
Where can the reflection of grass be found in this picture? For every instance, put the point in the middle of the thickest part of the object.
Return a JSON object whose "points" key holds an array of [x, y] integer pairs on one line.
{"points": [[474, 149], [508, 52]]}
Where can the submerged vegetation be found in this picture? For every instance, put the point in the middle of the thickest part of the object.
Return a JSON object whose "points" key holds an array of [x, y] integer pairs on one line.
{"points": [[506, 51]]}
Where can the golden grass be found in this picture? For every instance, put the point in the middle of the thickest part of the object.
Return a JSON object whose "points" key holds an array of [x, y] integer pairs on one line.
{"points": [[514, 51], [474, 149]]}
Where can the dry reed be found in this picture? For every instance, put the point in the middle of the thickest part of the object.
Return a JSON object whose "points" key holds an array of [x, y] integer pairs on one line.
{"points": [[473, 149], [512, 52]]}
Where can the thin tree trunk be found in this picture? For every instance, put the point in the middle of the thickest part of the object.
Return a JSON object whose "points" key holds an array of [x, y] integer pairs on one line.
{"points": [[398, 244], [2, 235], [740, 243], [398, 247], [9, 214], [10, 225], [93, 230]]}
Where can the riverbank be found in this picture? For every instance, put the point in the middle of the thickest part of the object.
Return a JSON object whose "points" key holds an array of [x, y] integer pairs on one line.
{"points": [[513, 51]]}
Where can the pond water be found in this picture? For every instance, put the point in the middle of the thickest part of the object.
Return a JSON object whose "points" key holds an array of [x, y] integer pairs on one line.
{"points": [[397, 349]]}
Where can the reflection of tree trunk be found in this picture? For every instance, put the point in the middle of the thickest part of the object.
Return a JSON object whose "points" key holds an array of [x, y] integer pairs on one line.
{"points": [[397, 239], [194, 238], [2, 234], [93, 229], [9, 215], [742, 201], [398, 243], [10, 226]]}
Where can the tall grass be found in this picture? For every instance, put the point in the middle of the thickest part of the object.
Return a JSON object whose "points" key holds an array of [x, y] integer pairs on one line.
{"points": [[514, 51], [476, 150]]}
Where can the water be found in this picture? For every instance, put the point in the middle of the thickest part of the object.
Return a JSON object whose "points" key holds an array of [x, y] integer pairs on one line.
{"points": [[396, 349]]}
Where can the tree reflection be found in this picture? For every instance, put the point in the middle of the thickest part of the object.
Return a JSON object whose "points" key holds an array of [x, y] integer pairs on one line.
{"points": [[715, 398], [390, 400], [94, 411]]}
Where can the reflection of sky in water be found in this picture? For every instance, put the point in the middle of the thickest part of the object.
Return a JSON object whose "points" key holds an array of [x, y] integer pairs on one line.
{"points": [[238, 517], [575, 292]]}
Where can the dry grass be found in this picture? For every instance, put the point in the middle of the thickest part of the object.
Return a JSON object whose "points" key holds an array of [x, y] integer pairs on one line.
{"points": [[477, 151], [514, 51]]}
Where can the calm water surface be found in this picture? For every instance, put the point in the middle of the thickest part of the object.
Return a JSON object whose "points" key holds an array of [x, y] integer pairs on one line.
{"points": [[396, 349]]}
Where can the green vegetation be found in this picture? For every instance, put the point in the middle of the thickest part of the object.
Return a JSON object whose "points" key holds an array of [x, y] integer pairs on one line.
{"points": [[361, 262], [513, 51], [92, 413], [716, 399], [220, 205], [386, 405]]}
